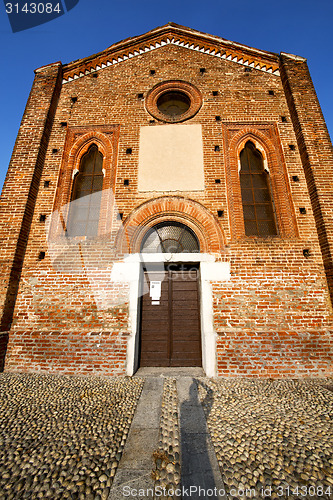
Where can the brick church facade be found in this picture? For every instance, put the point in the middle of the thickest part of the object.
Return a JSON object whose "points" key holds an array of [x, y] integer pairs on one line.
{"points": [[169, 203]]}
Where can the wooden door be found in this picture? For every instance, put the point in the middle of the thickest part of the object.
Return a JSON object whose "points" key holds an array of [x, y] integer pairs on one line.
{"points": [[170, 331]]}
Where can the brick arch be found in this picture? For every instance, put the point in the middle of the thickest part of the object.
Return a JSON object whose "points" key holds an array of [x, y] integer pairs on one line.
{"points": [[176, 209], [83, 143], [250, 133], [274, 163]]}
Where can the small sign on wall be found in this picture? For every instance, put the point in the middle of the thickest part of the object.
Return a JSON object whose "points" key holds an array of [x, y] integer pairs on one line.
{"points": [[155, 292]]}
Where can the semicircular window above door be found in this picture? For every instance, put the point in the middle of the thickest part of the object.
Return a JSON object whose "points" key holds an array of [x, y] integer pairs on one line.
{"points": [[170, 237]]}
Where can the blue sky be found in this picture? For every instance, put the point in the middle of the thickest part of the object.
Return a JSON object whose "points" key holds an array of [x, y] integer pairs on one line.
{"points": [[302, 27]]}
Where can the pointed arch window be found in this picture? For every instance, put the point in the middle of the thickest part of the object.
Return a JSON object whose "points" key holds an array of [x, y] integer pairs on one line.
{"points": [[258, 209], [86, 195]]}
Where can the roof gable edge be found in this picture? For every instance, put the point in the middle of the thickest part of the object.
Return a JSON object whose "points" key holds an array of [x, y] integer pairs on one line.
{"points": [[172, 34]]}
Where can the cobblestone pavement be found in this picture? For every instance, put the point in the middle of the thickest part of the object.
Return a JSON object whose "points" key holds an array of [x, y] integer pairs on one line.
{"points": [[62, 437], [272, 438]]}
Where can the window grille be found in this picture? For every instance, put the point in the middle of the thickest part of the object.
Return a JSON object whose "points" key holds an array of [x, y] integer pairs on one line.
{"points": [[257, 202], [170, 237], [86, 195]]}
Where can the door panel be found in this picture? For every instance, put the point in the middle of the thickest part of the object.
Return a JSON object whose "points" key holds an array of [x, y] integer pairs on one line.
{"points": [[155, 324], [170, 331]]}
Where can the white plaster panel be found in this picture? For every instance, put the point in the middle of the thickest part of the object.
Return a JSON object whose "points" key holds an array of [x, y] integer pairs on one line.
{"points": [[215, 271], [124, 272], [133, 338], [208, 335], [171, 158]]}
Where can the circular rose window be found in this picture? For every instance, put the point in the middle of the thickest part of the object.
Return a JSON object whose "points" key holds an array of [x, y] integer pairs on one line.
{"points": [[173, 101]]}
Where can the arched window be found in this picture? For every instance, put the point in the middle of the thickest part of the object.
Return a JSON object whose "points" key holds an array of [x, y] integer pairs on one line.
{"points": [[86, 195], [258, 211], [170, 237]]}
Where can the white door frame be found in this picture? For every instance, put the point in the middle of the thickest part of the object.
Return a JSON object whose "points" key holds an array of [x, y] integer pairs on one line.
{"points": [[130, 271]]}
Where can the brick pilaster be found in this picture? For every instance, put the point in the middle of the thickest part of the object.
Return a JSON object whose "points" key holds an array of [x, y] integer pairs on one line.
{"points": [[20, 190], [316, 150]]}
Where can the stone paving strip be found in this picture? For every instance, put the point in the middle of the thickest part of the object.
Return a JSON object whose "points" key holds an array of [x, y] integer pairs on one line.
{"points": [[272, 438], [134, 475], [61, 436]]}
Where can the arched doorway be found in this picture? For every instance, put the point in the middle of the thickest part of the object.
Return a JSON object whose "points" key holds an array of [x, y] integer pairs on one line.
{"points": [[170, 305]]}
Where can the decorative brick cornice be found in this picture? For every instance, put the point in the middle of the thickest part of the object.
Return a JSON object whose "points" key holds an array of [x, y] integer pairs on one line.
{"points": [[178, 36]]}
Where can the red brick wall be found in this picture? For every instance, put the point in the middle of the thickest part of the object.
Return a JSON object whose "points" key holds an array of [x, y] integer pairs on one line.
{"points": [[276, 296], [278, 354], [273, 318], [71, 352]]}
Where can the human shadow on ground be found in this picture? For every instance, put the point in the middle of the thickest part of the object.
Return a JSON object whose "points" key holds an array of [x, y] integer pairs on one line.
{"points": [[197, 469]]}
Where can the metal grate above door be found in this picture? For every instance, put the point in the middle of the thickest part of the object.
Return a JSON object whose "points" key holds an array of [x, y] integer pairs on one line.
{"points": [[170, 237]]}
